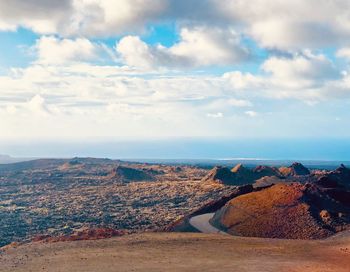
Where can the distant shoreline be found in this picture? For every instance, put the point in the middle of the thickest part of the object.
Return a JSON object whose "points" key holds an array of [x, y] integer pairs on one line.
{"points": [[205, 162]]}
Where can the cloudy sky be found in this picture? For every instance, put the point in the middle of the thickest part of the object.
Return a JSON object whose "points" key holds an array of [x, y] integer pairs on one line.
{"points": [[160, 69]]}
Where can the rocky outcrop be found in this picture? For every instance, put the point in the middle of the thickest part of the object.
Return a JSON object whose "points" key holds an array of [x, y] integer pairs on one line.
{"points": [[293, 211]]}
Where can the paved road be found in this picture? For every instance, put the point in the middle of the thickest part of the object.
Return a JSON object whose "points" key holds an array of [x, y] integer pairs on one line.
{"points": [[201, 223]]}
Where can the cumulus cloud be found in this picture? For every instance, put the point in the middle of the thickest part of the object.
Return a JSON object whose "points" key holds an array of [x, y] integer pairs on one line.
{"points": [[94, 101], [137, 53], [302, 71], [243, 81], [287, 25], [304, 76], [101, 17], [79, 17], [210, 46], [199, 46], [39, 15], [83, 99], [52, 50], [107, 18], [291, 24], [139, 89], [37, 105]]}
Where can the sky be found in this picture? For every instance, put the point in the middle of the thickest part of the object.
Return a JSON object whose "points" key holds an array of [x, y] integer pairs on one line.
{"points": [[157, 70]]}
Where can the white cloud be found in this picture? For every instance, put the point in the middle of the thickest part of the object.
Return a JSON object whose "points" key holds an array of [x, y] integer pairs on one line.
{"points": [[108, 17], [39, 15], [239, 102], [209, 46], [291, 25], [52, 50], [227, 104], [86, 100], [251, 113], [70, 93], [243, 81], [136, 53], [302, 76], [77, 100], [215, 115], [286, 25], [301, 71], [37, 105], [79, 17], [200, 46], [343, 53]]}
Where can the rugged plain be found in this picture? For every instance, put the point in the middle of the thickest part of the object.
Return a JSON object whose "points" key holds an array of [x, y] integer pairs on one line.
{"points": [[61, 197]]}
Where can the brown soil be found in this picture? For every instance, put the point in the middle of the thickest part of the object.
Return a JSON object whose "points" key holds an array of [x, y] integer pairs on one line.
{"points": [[181, 252], [87, 234]]}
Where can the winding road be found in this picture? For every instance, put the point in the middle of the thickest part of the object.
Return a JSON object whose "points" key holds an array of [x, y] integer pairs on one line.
{"points": [[201, 223]]}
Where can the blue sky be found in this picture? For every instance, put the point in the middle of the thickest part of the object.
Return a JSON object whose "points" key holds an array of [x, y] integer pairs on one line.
{"points": [[14, 48], [142, 70]]}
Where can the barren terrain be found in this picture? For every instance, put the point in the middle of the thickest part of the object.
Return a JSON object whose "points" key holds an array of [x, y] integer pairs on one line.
{"points": [[182, 252], [60, 197]]}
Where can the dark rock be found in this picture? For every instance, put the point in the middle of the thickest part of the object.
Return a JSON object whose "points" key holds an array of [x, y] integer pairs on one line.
{"points": [[127, 174], [337, 178], [221, 175]]}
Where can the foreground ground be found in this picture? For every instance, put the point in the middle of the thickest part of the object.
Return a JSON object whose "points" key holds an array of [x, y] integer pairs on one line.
{"points": [[182, 252]]}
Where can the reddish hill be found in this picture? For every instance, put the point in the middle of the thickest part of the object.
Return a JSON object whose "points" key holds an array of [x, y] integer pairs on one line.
{"points": [[182, 224], [266, 171], [239, 174], [296, 169], [267, 181], [293, 211]]}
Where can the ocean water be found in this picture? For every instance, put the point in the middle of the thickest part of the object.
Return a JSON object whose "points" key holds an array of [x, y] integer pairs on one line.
{"points": [[253, 151]]}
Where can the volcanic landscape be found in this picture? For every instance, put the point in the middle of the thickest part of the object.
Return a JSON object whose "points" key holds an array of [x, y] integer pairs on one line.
{"points": [[61, 197], [63, 200]]}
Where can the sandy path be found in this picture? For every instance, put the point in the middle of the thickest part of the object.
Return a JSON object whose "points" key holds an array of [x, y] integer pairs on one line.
{"points": [[201, 223], [181, 252]]}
